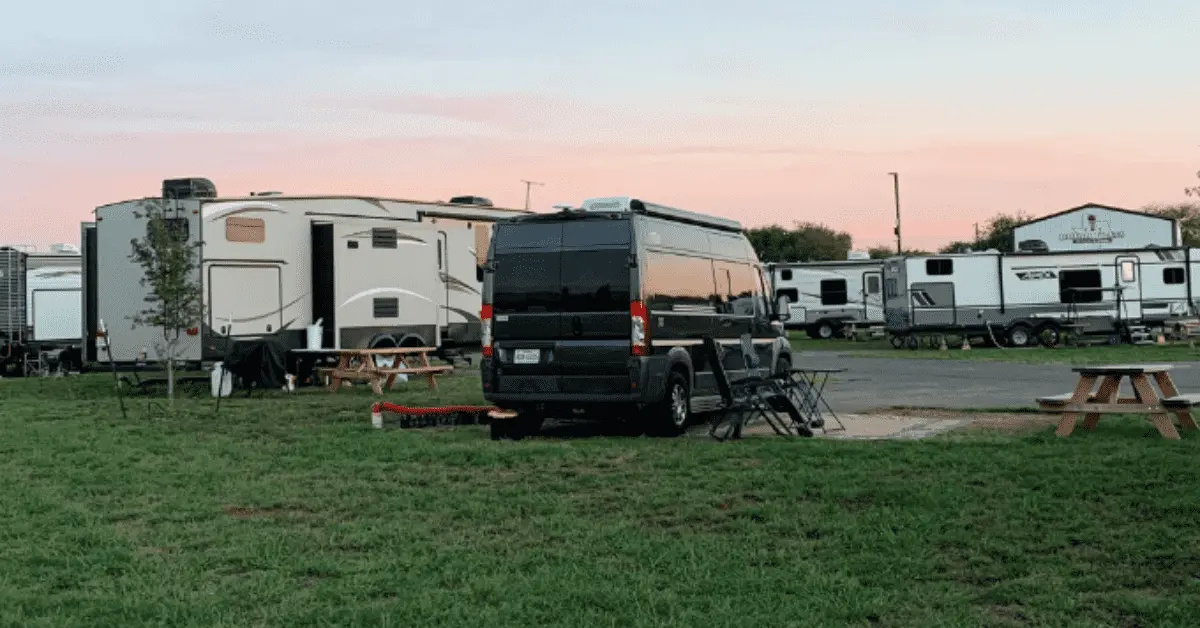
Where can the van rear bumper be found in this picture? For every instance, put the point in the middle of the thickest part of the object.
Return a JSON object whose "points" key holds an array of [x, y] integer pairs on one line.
{"points": [[644, 382]]}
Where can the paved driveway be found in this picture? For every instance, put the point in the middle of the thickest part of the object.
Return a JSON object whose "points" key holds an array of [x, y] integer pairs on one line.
{"points": [[874, 383]]}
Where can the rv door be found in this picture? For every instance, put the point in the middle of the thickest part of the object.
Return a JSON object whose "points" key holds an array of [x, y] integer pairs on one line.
{"points": [[1129, 277], [872, 290]]}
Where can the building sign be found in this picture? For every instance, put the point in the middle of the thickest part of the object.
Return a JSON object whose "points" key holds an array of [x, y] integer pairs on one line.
{"points": [[1091, 231]]}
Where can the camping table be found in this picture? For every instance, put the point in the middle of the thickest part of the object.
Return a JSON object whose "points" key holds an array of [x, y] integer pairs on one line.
{"points": [[360, 364], [1106, 400], [810, 383]]}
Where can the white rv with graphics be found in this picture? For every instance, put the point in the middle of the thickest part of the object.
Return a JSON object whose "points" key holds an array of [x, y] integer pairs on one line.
{"points": [[1019, 298], [373, 272], [826, 297]]}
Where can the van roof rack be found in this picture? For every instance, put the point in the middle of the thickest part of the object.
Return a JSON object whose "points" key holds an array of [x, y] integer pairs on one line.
{"points": [[633, 205]]}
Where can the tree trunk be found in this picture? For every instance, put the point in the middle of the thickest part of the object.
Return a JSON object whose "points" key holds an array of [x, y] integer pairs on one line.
{"points": [[171, 379]]}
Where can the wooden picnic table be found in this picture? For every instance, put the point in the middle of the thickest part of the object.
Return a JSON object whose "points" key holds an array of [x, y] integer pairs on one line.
{"points": [[1107, 400], [360, 365]]}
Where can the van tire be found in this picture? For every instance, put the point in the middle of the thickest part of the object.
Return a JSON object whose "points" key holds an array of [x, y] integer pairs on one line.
{"points": [[669, 417]]}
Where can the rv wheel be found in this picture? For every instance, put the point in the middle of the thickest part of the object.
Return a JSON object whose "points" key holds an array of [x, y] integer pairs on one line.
{"points": [[1019, 336], [897, 342], [825, 330], [913, 343], [1049, 336]]}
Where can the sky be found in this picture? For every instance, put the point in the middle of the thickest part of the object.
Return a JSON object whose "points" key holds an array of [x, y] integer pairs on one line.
{"points": [[761, 110]]}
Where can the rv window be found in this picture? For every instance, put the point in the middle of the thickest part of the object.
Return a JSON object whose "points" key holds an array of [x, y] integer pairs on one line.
{"points": [[892, 292], [1080, 286], [249, 230], [786, 274], [387, 307], [792, 294], [872, 284], [1128, 273], [833, 292], [939, 267], [1172, 275], [383, 238]]}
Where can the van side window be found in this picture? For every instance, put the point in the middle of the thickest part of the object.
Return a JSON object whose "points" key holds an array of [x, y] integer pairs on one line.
{"points": [[678, 282], [740, 288]]}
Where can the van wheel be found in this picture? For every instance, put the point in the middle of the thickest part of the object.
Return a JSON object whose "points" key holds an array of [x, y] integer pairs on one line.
{"points": [[669, 417], [1019, 336]]}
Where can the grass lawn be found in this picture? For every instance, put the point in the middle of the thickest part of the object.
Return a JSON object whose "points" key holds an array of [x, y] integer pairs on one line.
{"points": [[1138, 354], [292, 511]]}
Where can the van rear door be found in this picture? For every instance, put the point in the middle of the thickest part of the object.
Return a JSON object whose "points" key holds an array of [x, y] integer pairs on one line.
{"points": [[561, 294]]}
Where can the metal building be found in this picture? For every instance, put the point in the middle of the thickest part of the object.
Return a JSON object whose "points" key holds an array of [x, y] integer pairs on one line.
{"points": [[1093, 227]]}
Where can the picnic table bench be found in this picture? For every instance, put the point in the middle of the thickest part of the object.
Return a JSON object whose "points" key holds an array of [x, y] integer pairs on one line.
{"points": [[1092, 404], [361, 365]]}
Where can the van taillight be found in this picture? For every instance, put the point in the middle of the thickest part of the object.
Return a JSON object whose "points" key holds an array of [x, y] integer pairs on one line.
{"points": [[485, 315], [639, 334]]}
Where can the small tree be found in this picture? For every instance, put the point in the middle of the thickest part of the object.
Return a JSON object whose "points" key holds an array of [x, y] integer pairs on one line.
{"points": [[169, 272], [1194, 190]]}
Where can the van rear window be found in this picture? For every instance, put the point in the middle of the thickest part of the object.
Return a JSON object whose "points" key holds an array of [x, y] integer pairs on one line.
{"points": [[568, 234], [566, 281]]}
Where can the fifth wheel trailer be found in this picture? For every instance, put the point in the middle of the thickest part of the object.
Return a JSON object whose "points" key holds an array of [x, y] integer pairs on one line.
{"points": [[825, 297], [1019, 298], [374, 272]]}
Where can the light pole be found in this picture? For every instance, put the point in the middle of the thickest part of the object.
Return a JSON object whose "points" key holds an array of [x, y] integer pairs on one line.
{"points": [[896, 179], [528, 185]]}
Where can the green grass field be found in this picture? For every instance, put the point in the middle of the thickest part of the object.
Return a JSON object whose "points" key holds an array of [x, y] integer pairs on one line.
{"points": [[292, 511], [1033, 355]]}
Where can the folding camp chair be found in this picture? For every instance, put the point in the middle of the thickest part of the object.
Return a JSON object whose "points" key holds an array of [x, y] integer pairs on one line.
{"points": [[750, 397]]}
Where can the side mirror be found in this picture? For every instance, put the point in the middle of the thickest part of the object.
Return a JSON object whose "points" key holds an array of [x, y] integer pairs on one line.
{"points": [[782, 310]]}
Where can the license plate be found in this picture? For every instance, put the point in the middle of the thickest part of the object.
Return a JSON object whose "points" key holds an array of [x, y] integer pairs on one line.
{"points": [[526, 356]]}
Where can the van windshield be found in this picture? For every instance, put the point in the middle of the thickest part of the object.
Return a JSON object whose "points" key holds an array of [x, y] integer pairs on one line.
{"points": [[577, 265]]}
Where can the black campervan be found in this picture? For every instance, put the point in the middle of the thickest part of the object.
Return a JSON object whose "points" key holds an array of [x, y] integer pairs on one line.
{"points": [[602, 310]]}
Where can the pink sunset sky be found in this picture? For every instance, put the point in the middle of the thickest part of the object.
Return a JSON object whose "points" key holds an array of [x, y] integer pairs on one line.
{"points": [[767, 112]]}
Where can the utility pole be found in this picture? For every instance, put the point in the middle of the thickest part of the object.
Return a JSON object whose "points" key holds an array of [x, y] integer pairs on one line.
{"points": [[976, 232], [528, 185], [896, 179]]}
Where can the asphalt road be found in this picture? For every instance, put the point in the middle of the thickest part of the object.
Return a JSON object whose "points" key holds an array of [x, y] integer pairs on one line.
{"points": [[881, 383], [878, 383]]}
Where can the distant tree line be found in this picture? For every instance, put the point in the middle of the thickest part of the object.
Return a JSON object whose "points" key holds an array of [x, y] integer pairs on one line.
{"points": [[811, 242]]}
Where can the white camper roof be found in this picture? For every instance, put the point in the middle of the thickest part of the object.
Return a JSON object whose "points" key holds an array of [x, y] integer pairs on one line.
{"points": [[349, 205], [629, 204]]}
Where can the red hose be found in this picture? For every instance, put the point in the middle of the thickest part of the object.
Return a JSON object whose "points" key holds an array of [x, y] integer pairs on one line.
{"points": [[391, 407]]}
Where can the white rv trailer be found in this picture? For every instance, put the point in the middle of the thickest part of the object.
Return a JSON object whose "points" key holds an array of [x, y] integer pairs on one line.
{"points": [[374, 272], [826, 297], [40, 303], [1020, 297]]}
